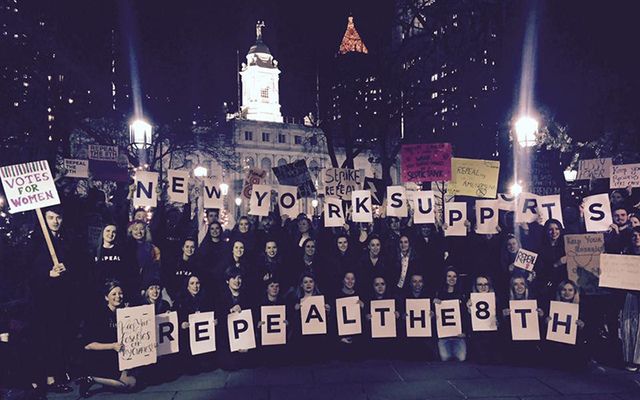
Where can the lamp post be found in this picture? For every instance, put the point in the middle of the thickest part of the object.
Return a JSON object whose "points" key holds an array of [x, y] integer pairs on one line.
{"points": [[526, 130], [140, 134], [200, 171]]}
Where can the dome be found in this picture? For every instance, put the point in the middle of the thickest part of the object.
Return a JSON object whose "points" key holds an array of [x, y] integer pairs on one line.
{"points": [[259, 47]]}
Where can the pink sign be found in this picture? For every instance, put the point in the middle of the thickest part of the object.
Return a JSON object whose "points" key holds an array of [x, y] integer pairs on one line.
{"points": [[427, 162]]}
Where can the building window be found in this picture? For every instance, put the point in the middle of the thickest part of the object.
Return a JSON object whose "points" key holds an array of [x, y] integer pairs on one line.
{"points": [[265, 136], [282, 138], [434, 77], [264, 93], [297, 139], [434, 95], [248, 135]]}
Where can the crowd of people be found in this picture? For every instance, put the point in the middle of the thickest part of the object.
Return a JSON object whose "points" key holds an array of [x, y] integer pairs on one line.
{"points": [[70, 331]]}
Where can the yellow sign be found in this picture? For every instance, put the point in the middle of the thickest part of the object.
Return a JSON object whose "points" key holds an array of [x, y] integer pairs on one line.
{"points": [[476, 178]]}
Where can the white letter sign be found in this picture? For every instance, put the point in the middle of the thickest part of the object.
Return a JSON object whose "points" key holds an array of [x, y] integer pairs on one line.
{"points": [[178, 189], [397, 202], [597, 213], [273, 329], [313, 315], [202, 333], [448, 319], [361, 203], [524, 320], [455, 215], [423, 207], [260, 201], [483, 312], [212, 194], [418, 321], [241, 334], [349, 316], [383, 318], [562, 325], [146, 189], [167, 333], [486, 217], [333, 215]]}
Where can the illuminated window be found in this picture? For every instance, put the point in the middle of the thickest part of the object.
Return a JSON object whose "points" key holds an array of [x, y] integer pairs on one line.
{"points": [[434, 77], [434, 95], [264, 93]]}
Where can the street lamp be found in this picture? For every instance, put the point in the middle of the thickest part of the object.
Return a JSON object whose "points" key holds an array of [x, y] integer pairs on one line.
{"points": [[140, 134], [570, 175], [526, 129], [200, 171], [238, 201], [516, 189], [224, 188]]}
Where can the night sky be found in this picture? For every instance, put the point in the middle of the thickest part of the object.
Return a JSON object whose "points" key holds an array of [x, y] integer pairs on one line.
{"points": [[587, 55]]}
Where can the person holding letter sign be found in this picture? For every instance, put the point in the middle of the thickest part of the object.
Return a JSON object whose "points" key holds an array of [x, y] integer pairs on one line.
{"points": [[268, 354], [551, 264], [349, 347], [631, 313], [451, 348], [483, 344], [379, 348]]}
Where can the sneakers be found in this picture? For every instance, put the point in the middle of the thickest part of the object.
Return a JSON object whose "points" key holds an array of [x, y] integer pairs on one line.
{"points": [[631, 368], [84, 384]]}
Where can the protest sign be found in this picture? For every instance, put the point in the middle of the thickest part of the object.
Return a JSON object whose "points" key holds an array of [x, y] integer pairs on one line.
{"points": [[333, 213], [623, 176], [487, 217], [476, 178], [583, 259], [378, 190], [426, 162], [397, 202], [483, 312], [598, 168], [29, 186], [424, 207], [597, 213], [212, 194], [455, 217], [506, 201], [273, 329], [525, 259], [296, 174], [349, 316], [137, 335], [255, 176], [240, 329], [106, 163], [526, 208], [288, 200], [383, 318], [448, 318], [313, 315], [547, 177], [341, 182], [418, 318], [167, 333], [76, 168], [178, 190], [361, 203], [562, 326], [202, 333], [549, 207], [145, 193], [620, 271], [524, 320], [260, 201]]}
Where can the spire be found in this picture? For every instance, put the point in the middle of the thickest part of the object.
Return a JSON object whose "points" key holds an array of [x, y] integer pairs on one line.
{"points": [[351, 41]]}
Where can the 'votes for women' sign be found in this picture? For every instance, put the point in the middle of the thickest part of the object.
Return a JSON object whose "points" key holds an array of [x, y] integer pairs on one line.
{"points": [[427, 162], [137, 335], [29, 186]]}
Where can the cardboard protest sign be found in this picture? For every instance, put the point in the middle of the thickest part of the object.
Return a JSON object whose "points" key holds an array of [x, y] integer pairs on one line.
{"points": [[240, 328], [597, 213], [483, 312], [487, 217], [137, 334], [546, 176], [273, 330], [448, 318], [418, 320], [146, 189], [620, 271], [288, 200], [549, 207], [167, 333], [524, 319], [424, 207], [29, 186], [178, 189], [476, 178], [623, 176], [76, 168], [349, 316], [526, 208], [361, 203], [455, 216], [260, 201], [313, 315], [378, 190], [562, 325], [255, 176], [296, 174], [341, 182], [106, 163], [525, 259], [212, 194], [583, 259], [202, 333], [397, 202], [333, 213], [599, 168], [426, 162], [383, 318]]}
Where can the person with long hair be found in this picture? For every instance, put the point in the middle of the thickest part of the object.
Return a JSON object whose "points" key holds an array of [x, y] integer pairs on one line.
{"points": [[114, 260], [147, 254], [372, 263], [630, 326], [212, 255], [484, 345], [379, 348], [175, 271], [244, 233], [551, 264], [452, 348], [405, 263], [349, 347], [270, 265]]}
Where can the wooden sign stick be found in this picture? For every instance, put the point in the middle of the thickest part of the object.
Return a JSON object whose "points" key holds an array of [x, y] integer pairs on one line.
{"points": [[47, 238]]}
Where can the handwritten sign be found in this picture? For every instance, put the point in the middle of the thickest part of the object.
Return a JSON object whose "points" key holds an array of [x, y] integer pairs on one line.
{"points": [[476, 178], [597, 168], [296, 174], [546, 173], [583, 259], [426, 162], [255, 176], [525, 259], [29, 186], [76, 168], [341, 182], [137, 335], [620, 271], [106, 163], [623, 176]]}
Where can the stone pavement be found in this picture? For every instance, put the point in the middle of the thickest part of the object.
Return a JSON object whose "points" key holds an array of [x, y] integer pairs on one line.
{"points": [[397, 380]]}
